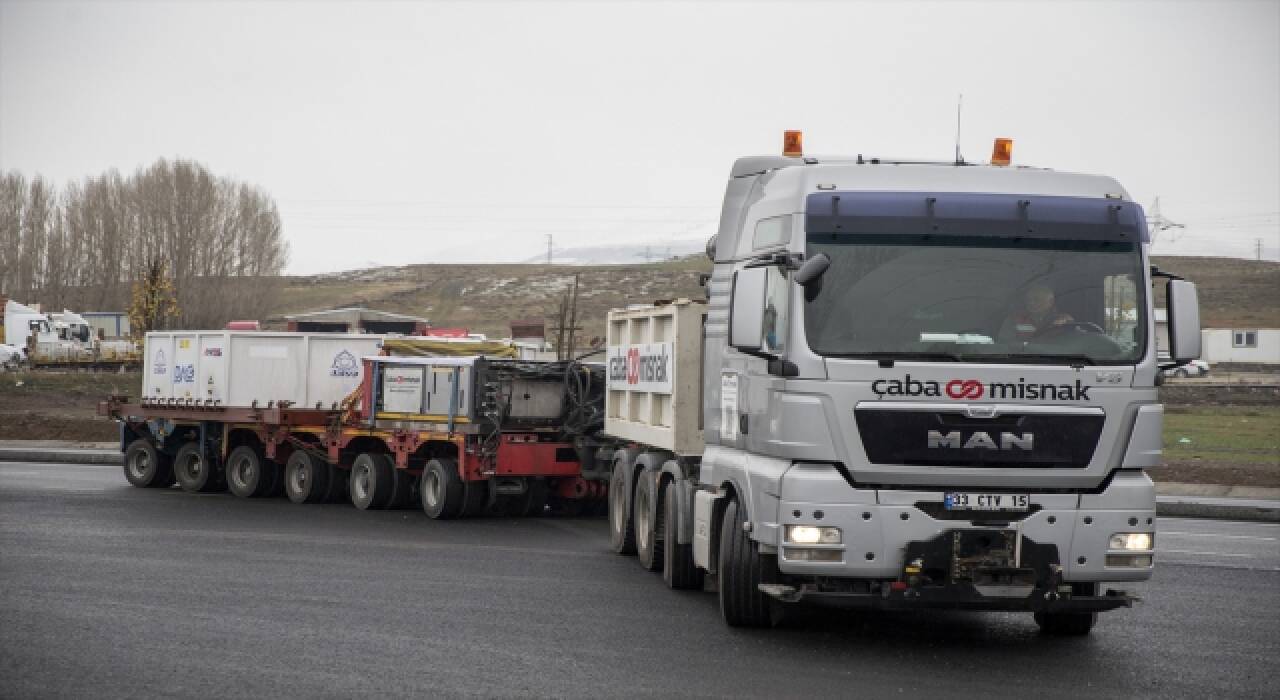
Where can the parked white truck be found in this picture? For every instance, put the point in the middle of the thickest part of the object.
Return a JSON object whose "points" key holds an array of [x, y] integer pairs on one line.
{"points": [[913, 385]]}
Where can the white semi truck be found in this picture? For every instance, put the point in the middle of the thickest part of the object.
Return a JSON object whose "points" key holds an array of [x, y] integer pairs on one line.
{"points": [[912, 385]]}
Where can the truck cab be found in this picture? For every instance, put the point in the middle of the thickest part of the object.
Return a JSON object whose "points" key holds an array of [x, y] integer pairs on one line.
{"points": [[929, 385]]}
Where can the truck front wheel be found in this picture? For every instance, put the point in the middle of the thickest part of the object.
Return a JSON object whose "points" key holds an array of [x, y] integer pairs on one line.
{"points": [[742, 569], [146, 467], [622, 533]]}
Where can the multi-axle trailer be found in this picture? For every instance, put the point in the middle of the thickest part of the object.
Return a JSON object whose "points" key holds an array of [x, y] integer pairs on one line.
{"points": [[460, 435]]}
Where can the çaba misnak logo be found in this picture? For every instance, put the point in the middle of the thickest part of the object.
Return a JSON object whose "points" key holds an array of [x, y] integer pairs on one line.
{"points": [[344, 365], [971, 389], [635, 367]]}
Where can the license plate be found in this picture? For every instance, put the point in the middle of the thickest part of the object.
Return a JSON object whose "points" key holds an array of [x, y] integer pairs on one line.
{"points": [[987, 501]]}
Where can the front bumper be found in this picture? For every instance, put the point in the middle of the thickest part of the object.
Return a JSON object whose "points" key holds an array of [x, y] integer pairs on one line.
{"points": [[879, 527], [954, 598]]}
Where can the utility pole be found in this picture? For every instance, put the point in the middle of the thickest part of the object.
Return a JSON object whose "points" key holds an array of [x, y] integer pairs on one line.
{"points": [[549, 239], [1157, 222], [1257, 249], [959, 104]]}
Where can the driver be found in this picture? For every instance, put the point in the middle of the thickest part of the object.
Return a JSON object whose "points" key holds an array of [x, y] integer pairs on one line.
{"points": [[1038, 313]]}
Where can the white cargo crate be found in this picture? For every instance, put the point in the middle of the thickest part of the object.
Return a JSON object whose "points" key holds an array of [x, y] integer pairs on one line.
{"points": [[237, 368], [654, 371]]}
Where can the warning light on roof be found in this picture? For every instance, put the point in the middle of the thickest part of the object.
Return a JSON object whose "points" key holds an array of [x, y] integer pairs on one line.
{"points": [[793, 143], [1002, 153]]}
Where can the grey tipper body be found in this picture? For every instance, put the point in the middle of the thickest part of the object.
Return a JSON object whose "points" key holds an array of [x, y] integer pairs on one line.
{"points": [[884, 445]]}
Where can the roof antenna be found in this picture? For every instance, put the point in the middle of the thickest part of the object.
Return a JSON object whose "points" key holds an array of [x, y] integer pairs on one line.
{"points": [[959, 103]]}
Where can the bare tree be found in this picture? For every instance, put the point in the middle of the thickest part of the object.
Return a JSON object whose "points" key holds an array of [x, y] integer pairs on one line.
{"points": [[218, 241]]}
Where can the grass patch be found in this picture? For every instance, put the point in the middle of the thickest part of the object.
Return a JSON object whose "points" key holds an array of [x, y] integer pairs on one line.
{"points": [[70, 384], [1232, 434]]}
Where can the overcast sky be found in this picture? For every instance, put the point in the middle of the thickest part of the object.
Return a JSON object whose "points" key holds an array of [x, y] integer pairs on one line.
{"points": [[409, 132]]}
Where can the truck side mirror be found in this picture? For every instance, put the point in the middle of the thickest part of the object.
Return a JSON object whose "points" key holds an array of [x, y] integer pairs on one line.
{"points": [[746, 310], [812, 269], [1184, 320]]}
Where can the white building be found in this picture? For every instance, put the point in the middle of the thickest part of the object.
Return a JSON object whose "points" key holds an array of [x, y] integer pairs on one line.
{"points": [[1252, 345]]}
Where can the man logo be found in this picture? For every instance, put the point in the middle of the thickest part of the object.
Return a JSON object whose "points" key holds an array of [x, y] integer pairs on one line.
{"points": [[980, 441]]}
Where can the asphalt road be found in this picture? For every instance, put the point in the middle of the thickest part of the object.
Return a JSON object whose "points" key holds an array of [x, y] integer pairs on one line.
{"points": [[108, 591]]}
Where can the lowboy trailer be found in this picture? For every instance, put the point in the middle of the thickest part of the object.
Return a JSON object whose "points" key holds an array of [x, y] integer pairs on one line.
{"points": [[459, 435]]}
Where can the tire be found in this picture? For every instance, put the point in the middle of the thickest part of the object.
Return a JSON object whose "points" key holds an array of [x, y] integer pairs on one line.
{"points": [[1181, 374], [306, 479], [146, 467], [533, 502], [678, 569], [1063, 624], [622, 533], [246, 473], [644, 523], [404, 489], [339, 485], [196, 473], [442, 490], [742, 568], [475, 496], [371, 481]]}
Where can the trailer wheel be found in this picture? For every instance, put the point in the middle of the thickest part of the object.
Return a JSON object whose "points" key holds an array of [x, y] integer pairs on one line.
{"points": [[371, 481], [339, 485], [403, 489], [146, 467], [306, 479], [195, 472], [1064, 624], [475, 496], [678, 569], [622, 533], [742, 570], [648, 546], [442, 490], [533, 502], [246, 473]]}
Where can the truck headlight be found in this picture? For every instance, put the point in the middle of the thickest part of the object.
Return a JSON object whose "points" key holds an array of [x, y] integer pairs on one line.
{"points": [[1132, 541], [811, 534]]}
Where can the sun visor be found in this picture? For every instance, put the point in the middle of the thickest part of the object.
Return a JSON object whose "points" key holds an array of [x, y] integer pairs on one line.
{"points": [[975, 214]]}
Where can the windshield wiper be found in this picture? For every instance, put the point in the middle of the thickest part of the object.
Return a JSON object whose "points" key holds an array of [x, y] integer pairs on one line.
{"points": [[1047, 358], [895, 356]]}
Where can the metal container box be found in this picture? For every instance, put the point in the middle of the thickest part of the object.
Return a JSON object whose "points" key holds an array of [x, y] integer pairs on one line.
{"points": [[239, 368], [654, 370]]}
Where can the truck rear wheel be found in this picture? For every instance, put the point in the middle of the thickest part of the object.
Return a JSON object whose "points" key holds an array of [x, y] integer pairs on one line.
{"points": [[622, 533], [678, 569], [306, 479], [339, 485], [195, 472], [146, 467], [371, 481], [742, 569], [442, 490], [246, 473], [648, 543]]}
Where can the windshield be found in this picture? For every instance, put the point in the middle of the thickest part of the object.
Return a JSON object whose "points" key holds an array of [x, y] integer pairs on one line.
{"points": [[978, 298]]}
